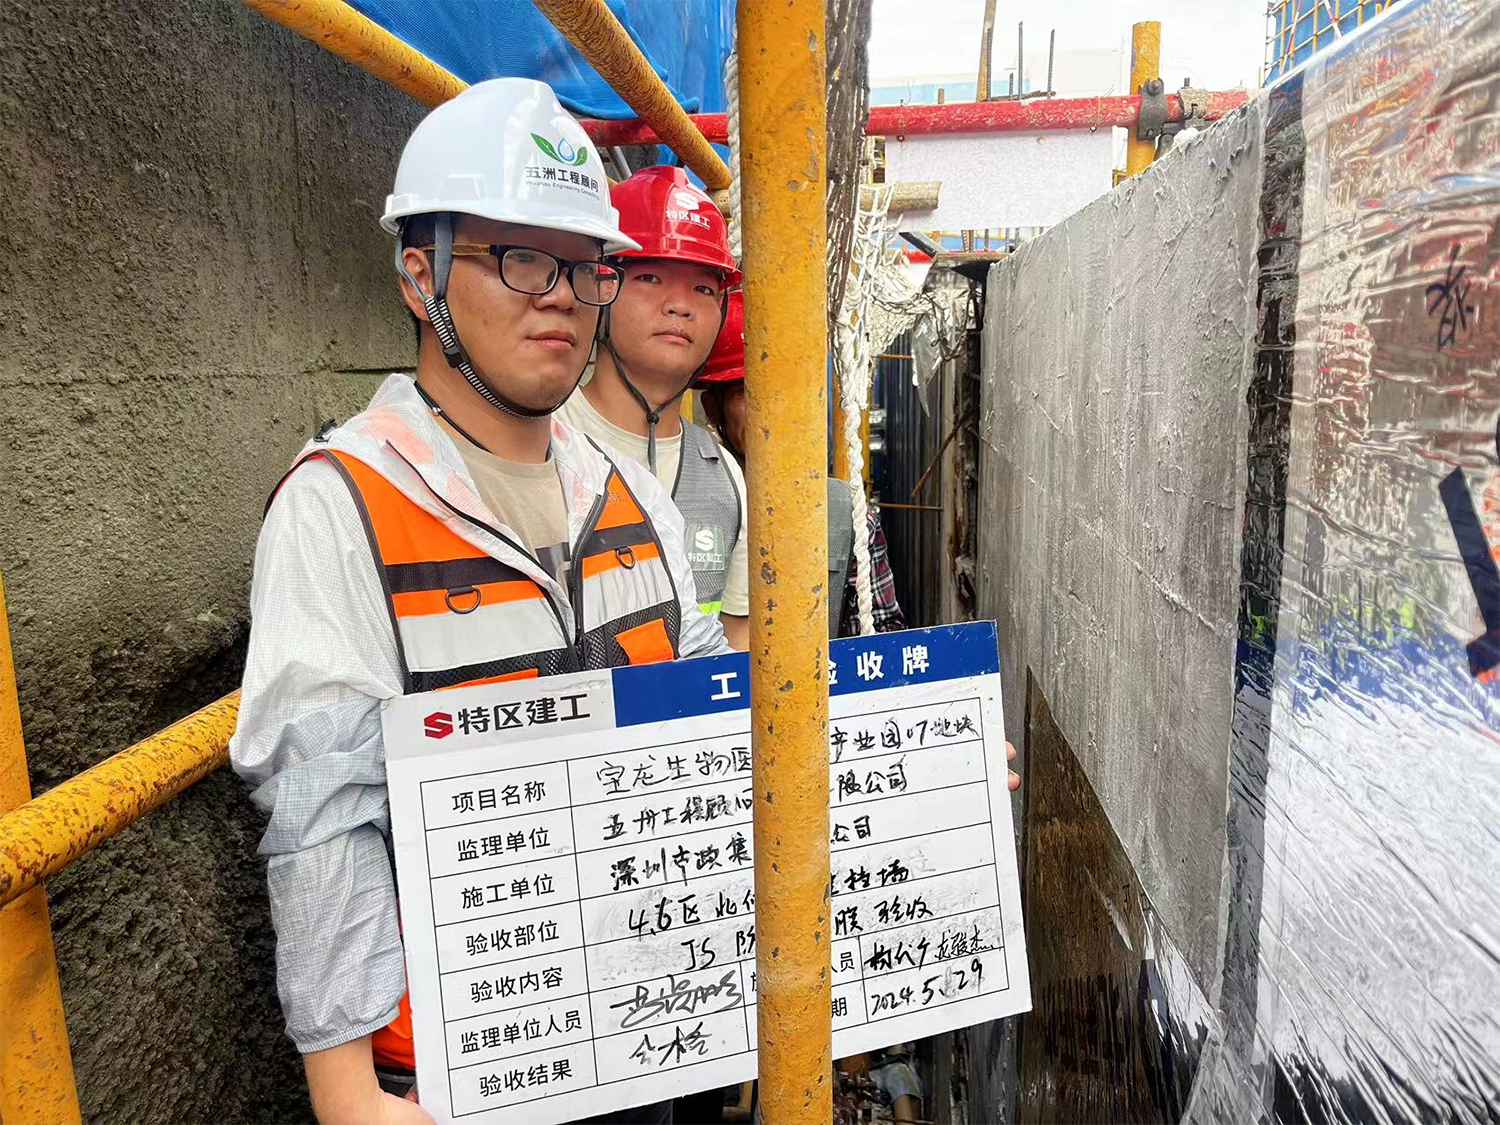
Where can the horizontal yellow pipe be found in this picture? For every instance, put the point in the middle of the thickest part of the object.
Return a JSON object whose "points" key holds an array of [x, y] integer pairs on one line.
{"points": [[592, 28], [43, 836], [342, 31]]}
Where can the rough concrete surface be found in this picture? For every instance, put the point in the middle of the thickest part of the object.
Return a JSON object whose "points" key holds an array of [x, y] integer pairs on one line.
{"points": [[1115, 362], [193, 281]]}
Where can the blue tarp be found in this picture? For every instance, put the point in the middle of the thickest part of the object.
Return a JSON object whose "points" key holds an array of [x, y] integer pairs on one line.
{"points": [[686, 41]]}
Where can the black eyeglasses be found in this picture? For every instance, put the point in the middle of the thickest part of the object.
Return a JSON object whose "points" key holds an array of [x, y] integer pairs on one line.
{"points": [[529, 270]]}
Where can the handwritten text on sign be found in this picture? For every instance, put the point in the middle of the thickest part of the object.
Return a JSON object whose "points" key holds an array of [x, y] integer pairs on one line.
{"points": [[576, 862]]}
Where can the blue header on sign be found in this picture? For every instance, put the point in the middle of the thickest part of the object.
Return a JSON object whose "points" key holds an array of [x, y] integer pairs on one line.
{"points": [[653, 693]]}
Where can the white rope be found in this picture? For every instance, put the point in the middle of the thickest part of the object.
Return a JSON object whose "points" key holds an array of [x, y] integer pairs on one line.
{"points": [[865, 600], [732, 93], [853, 359]]}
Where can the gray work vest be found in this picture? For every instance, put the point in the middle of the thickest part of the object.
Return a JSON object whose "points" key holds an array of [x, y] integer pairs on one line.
{"points": [[840, 548], [709, 501]]}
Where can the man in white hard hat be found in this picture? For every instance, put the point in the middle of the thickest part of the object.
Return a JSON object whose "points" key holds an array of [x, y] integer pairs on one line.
{"points": [[449, 534]]}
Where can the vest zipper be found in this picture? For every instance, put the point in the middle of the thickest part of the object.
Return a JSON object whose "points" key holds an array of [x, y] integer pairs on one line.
{"points": [[575, 582], [562, 626], [681, 449]]}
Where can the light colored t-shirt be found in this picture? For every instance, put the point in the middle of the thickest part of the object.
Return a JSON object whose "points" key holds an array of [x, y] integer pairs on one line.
{"points": [[579, 413], [527, 498]]}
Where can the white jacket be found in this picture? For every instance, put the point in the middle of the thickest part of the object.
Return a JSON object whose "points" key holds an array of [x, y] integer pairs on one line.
{"points": [[323, 656]]}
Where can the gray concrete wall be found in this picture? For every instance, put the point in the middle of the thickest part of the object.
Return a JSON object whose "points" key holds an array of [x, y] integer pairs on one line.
{"points": [[1116, 358], [193, 281]]}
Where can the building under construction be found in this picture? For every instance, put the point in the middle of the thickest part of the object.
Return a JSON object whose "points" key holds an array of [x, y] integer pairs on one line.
{"points": [[1213, 445]]}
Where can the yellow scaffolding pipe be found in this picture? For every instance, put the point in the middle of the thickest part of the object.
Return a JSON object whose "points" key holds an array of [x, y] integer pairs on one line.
{"points": [[840, 446], [1145, 64], [782, 131], [36, 1066], [592, 28], [342, 31], [46, 834]]}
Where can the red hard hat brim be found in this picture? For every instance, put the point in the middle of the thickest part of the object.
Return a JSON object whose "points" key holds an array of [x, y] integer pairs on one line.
{"points": [[681, 250], [715, 378]]}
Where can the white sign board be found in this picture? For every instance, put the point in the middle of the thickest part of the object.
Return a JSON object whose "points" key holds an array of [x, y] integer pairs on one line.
{"points": [[1002, 180], [575, 857]]}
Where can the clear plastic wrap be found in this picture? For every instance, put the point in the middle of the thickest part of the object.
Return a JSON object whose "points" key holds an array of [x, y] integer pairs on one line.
{"points": [[1241, 522], [1362, 968]]}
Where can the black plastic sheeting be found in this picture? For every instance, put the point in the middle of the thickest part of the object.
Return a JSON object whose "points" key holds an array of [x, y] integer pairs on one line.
{"points": [[1117, 1027], [913, 535]]}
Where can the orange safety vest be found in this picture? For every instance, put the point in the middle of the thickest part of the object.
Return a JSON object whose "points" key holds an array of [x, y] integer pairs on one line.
{"points": [[625, 611]]}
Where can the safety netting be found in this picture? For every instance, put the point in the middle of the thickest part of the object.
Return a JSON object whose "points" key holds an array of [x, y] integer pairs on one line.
{"points": [[1301, 28]]}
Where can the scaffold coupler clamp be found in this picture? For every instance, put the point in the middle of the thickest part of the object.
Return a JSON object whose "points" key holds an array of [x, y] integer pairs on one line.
{"points": [[1194, 109], [1153, 119]]}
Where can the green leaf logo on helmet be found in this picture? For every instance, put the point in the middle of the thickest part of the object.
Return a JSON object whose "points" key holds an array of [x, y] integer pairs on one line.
{"points": [[562, 152]]}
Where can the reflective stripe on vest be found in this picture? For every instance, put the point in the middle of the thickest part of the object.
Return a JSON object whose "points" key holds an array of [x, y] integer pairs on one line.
{"points": [[626, 608], [709, 500], [462, 618], [840, 548]]}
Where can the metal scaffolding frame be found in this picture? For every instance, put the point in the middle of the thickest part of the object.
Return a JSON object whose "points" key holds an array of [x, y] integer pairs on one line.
{"points": [[785, 237]]}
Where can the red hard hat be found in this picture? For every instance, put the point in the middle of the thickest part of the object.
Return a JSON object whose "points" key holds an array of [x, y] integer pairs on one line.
{"points": [[726, 363], [673, 220]]}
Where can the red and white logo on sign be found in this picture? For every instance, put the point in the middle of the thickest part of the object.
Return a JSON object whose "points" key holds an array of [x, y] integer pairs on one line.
{"points": [[439, 724]]}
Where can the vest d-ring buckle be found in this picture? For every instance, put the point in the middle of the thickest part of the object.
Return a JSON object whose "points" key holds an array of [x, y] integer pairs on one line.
{"points": [[626, 555], [463, 592]]}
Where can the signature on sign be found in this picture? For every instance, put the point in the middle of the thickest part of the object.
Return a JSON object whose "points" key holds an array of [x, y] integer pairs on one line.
{"points": [[674, 1050], [679, 997]]}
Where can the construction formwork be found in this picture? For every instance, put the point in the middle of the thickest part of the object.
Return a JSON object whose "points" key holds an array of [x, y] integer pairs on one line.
{"points": [[1239, 503]]}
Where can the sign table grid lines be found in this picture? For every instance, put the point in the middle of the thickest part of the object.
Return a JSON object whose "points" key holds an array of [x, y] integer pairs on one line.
{"points": [[584, 944], [583, 847]]}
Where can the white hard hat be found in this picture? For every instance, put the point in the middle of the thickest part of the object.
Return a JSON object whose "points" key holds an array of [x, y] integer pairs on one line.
{"points": [[506, 149]]}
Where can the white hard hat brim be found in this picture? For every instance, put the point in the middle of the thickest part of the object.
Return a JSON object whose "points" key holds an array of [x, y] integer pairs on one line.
{"points": [[613, 237]]}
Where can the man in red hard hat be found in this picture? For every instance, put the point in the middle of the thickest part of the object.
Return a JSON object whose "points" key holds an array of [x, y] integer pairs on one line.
{"points": [[723, 385], [654, 343]]}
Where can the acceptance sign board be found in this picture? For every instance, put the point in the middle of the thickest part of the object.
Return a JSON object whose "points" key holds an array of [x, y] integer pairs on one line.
{"points": [[575, 857]]}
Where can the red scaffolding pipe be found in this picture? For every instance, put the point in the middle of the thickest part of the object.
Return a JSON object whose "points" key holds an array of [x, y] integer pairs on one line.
{"points": [[1037, 115]]}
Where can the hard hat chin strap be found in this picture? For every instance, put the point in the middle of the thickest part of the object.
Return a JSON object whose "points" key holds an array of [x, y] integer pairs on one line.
{"points": [[441, 319], [653, 413]]}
